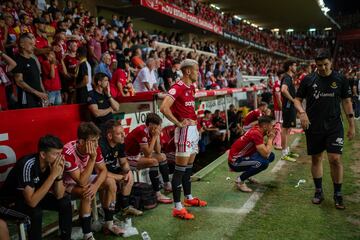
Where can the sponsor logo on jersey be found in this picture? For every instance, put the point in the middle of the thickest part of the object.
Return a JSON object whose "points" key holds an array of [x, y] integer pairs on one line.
{"points": [[190, 104], [172, 91], [333, 85]]}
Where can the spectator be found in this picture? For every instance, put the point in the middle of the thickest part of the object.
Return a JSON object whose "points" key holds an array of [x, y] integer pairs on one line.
{"points": [[170, 74], [101, 104], [83, 77], [51, 79], [159, 80], [71, 64], [36, 182], [104, 66], [31, 92], [120, 84], [94, 45], [42, 47], [220, 123], [137, 60], [5, 67], [84, 166], [146, 79], [113, 149]]}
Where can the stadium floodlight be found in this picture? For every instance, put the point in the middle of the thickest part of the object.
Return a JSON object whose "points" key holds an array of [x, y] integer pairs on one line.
{"points": [[312, 29], [213, 5], [289, 30], [260, 28], [222, 13], [328, 29], [237, 17], [275, 30], [254, 25]]}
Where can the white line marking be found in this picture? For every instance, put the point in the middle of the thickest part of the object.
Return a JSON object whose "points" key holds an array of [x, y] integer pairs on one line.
{"points": [[251, 202], [281, 163]]}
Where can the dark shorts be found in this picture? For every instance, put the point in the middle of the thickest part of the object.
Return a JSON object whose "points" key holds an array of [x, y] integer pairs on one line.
{"points": [[332, 141], [289, 117]]}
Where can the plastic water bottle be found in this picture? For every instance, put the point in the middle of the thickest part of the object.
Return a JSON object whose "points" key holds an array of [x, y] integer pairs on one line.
{"points": [[145, 236]]}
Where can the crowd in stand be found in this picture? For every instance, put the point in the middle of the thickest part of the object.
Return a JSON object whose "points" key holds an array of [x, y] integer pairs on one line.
{"points": [[66, 47]]}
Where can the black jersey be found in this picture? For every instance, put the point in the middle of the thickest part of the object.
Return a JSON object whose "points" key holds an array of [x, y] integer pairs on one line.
{"points": [[323, 98], [26, 172], [103, 102], [288, 81], [112, 155]]}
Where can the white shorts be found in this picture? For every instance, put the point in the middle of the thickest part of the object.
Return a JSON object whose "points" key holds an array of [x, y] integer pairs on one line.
{"points": [[186, 141], [278, 116], [132, 160], [70, 184]]}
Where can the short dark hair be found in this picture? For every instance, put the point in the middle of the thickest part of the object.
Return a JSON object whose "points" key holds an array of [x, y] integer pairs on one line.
{"points": [[322, 55], [110, 125], [288, 64], [264, 120], [153, 118], [262, 104], [87, 129], [48, 142], [176, 61], [82, 51], [99, 77], [206, 112]]}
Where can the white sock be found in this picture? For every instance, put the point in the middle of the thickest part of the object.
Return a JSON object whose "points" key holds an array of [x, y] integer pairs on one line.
{"points": [[178, 205], [158, 194], [108, 224], [288, 150], [285, 152], [189, 197], [87, 235]]}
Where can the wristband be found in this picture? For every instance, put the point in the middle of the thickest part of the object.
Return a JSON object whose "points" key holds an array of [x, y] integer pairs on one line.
{"points": [[58, 179], [350, 115]]}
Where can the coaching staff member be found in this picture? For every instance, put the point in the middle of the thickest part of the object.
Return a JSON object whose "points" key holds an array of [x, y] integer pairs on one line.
{"points": [[324, 90]]}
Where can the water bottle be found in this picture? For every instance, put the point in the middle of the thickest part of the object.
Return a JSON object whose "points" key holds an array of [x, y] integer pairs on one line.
{"points": [[145, 236]]}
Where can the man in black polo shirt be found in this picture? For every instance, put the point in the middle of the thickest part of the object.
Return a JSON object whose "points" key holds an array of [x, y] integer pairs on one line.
{"points": [[288, 109], [36, 183], [101, 104], [31, 92], [324, 90], [113, 150]]}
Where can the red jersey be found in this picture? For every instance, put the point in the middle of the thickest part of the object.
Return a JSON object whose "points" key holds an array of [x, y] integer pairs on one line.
{"points": [[138, 136], [298, 80], [50, 84], [41, 42], [252, 116], [245, 146], [75, 160], [71, 63], [167, 139], [184, 101], [276, 89], [206, 123], [119, 76]]}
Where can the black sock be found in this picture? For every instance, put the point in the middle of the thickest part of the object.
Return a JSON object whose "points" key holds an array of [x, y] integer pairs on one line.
{"points": [[337, 189], [186, 180], [176, 182], [154, 178], [125, 201], [318, 183], [108, 214], [164, 170], [86, 224]]}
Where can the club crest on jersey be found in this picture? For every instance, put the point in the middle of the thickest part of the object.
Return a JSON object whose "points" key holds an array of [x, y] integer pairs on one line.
{"points": [[333, 85], [172, 91]]}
